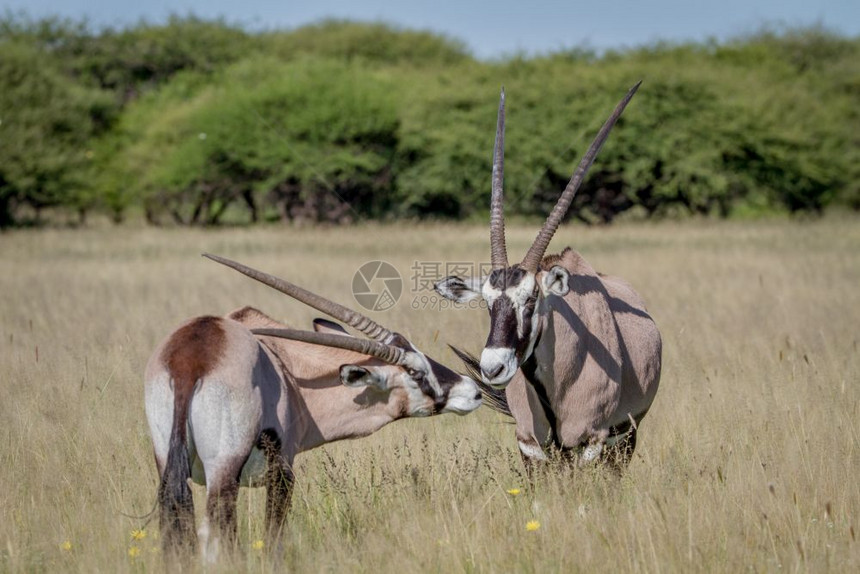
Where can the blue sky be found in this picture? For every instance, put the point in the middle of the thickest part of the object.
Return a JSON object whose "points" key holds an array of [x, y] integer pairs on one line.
{"points": [[492, 28]]}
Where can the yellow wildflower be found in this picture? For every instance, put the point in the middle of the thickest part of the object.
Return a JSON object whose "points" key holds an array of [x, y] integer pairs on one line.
{"points": [[139, 534], [532, 525], [67, 546], [513, 491], [133, 551], [258, 545]]}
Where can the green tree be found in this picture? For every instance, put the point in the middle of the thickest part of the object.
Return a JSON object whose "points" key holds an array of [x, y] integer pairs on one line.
{"points": [[134, 59], [310, 140], [367, 43], [47, 123], [341, 119]]}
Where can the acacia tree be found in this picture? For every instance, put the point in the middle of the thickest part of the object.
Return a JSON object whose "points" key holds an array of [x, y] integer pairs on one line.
{"points": [[766, 124], [135, 59], [47, 123], [305, 140], [339, 119]]}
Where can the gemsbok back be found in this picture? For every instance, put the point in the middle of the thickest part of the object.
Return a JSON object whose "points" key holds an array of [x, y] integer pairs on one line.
{"points": [[575, 351], [231, 400]]}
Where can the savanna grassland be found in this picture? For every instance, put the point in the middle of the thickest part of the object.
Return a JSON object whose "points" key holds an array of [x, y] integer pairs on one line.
{"points": [[748, 459]]}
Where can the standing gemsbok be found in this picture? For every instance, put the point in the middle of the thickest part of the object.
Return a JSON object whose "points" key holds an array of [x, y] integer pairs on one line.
{"points": [[575, 351], [231, 400]]}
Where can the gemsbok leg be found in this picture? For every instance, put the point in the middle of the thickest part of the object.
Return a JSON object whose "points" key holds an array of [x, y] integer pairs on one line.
{"points": [[279, 486], [226, 424]]}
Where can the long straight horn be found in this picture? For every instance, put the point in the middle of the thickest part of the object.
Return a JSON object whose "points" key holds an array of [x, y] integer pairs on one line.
{"points": [[498, 251], [388, 353], [535, 254], [339, 312]]}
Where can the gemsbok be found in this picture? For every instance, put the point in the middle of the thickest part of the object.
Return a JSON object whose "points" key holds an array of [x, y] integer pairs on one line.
{"points": [[572, 354], [231, 400]]}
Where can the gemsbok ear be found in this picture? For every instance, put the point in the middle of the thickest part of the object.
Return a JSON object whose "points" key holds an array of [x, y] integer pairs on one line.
{"points": [[555, 281], [326, 326], [459, 290], [355, 377]]}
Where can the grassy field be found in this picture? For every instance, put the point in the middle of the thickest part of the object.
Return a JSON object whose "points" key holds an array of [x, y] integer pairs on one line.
{"points": [[748, 460]]}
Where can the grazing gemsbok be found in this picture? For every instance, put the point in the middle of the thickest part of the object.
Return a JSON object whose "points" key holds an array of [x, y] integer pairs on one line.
{"points": [[232, 400], [575, 351]]}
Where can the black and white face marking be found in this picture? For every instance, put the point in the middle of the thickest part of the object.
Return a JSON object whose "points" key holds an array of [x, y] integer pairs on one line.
{"points": [[512, 295], [431, 388]]}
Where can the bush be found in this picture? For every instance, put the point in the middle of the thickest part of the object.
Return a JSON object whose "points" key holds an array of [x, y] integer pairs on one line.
{"points": [[338, 120], [309, 140], [375, 43], [46, 125], [136, 59]]}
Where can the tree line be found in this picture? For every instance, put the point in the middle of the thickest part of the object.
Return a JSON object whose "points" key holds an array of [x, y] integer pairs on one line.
{"points": [[200, 122]]}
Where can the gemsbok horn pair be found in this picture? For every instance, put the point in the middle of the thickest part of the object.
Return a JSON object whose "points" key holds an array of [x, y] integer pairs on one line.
{"points": [[231, 400], [575, 351]]}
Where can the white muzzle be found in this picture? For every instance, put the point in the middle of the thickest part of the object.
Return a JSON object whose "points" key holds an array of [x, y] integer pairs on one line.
{"points": [[498, 365]]}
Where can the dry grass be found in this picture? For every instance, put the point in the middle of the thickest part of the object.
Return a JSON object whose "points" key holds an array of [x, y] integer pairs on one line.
{"points": [[748, 459]]}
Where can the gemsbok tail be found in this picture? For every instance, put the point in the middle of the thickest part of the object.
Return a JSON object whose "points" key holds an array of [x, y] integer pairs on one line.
{"points": [[174, 493]]}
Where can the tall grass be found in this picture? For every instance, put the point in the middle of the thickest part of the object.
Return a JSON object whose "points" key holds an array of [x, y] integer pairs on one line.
{"points": [[748, 459]]}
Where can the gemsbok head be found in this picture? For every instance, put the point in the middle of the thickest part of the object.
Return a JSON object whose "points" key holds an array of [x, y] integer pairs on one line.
{"points": [[231, 400], [578, 349]]}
